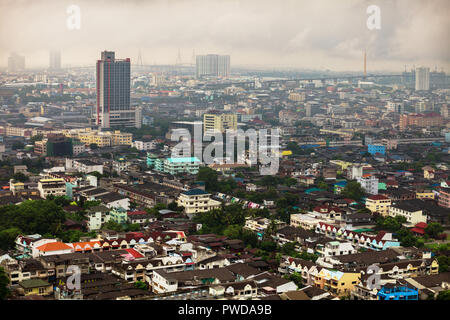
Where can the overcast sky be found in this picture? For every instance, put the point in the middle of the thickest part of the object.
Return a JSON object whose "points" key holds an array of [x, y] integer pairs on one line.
{"points": [[308, 34]]}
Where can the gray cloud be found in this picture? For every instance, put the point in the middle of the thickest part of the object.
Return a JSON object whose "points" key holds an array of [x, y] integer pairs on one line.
{"points": [[306, 34]]}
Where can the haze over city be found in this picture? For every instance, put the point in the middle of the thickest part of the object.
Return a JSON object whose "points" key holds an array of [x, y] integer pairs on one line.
{"points": [[266, 34], [244, 152]]}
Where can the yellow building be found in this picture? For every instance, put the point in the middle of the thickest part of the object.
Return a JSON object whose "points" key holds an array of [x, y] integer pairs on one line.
{"points": [[219, 122], [342, 164], [428, 172], [378, 203], [104, 139], [121, 138], [337, 282], [36, 287], [295, 96], [425, 194]]}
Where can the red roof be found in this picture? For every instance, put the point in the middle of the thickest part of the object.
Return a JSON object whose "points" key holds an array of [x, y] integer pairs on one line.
{"points": [[418, 230], [421, 225], [132, 213], [134, 253], [378, 197]]}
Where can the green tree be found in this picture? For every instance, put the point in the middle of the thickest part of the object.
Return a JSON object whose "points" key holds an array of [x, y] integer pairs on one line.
{"points": [[19, 176], [133, 227], [443, 261], [210, 177], [17, 145], [443, 295], [353, 190], [112, 225], [141, 285], [35, 138], [8, 237], [434, 229], [233, 231], [269, 246], [297, 279], [4, 285]]}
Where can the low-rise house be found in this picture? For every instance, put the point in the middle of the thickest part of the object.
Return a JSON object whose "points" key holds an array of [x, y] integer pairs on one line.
{"points": [[163, 281], [115, 200], [292, 234], [337, 282], [36, 287], [270, 283], [327, 212], [51, 247], [242, 290], [394, 292], [335, 248], [305, 268], [430, 285], [261, 225]]}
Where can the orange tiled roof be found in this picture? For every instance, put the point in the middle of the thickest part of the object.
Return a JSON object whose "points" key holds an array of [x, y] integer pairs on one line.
{"points": [[85, 245], [53, 246]]}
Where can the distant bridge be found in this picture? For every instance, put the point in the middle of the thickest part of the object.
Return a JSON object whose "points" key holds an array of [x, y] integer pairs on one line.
{"points": [[268, 83]]}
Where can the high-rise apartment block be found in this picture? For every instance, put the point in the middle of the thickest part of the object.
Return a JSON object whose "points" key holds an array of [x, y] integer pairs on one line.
{"points": [[16, 63], [113, 93], [213, 65], [55, 60], [219, 122], [420, 120], [422, 78]]}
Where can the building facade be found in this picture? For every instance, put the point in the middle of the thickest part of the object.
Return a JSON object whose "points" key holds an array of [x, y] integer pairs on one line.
{"points": [[113, 92]]}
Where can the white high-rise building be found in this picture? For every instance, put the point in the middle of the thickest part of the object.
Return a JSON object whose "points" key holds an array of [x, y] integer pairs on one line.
{"points": [[55, 60], [16, 62], [422, 78], [213, 65]]}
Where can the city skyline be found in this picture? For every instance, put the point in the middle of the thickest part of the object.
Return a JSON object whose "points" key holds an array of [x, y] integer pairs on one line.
{"points": [[291, 34]]}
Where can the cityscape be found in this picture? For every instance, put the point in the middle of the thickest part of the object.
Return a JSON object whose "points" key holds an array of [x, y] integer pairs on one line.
{"points": [[238, 165]]}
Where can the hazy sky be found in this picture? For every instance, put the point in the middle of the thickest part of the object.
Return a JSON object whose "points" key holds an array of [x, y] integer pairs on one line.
{"points": [[310, 34]]}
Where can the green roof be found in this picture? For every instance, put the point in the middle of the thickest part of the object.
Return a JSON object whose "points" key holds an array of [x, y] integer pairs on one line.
{"points": [[33, 283], [362, 230]]}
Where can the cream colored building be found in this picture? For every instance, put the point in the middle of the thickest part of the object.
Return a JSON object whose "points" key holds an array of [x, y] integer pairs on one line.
{"points": [[219, 122], [197, 200], [378, 203], [412, 214], [52, 186]]}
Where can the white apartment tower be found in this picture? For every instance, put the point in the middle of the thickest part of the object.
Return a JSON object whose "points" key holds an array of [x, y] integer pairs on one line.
{"points": [[213, 65], [422, 78]]}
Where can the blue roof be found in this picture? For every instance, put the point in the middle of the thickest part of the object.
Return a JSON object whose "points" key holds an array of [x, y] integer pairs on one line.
{"points": [[194, 192], [312, 190]]}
